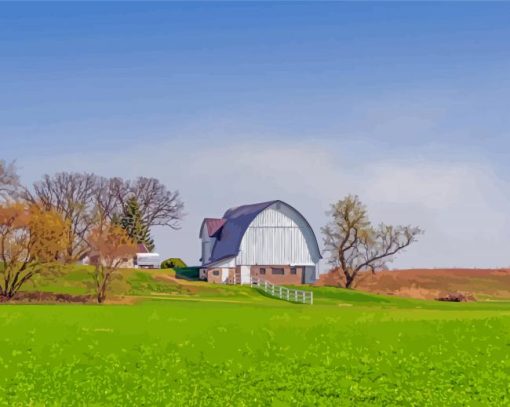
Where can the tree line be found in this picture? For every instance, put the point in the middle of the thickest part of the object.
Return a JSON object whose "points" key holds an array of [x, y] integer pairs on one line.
{"points": [[66, 216]]}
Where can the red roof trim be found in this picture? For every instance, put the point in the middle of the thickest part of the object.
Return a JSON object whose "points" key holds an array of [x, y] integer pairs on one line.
{"points": [[213, 225], [141, 248]]}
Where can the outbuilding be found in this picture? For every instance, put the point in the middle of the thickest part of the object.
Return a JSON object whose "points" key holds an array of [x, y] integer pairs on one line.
{"points": [[268, 241]]}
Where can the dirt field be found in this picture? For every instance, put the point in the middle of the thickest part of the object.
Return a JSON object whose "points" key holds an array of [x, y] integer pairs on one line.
{"points": [[483, 284]]}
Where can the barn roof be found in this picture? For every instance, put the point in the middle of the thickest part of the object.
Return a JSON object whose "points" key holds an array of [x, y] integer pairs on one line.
{"points": [[231, 232], [213, 225], [141, 248]]}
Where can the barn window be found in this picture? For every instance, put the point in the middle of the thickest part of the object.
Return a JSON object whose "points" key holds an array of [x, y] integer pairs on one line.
{"points": [[262, 271], [293, 270], [278, 271], [216, 272]]}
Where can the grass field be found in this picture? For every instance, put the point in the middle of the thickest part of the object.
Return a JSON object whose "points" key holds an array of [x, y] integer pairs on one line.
{"points": [[189, 343]]}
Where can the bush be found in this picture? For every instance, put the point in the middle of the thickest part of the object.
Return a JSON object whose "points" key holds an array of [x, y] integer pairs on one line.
{"points": [[173, 263], [456, 297]]}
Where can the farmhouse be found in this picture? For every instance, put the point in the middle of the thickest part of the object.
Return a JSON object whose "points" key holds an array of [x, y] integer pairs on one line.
{"points": [[268, 241]]}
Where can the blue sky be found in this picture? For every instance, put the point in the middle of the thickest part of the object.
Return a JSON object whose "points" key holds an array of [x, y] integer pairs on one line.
{"points": [[403, 103]]}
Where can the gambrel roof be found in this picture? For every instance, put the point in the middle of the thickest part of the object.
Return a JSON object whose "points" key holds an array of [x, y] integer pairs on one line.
{"points": [[235, 223]]}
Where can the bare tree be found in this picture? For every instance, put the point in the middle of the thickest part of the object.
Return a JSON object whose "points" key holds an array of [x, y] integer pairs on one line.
{"points": [[9, 180], [108, 199], [158, 205], [72, 195], [355, 245], [87, 201]]}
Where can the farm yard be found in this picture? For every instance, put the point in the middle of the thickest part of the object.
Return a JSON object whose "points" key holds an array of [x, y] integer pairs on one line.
{"points": [[164, 341], [254, 204]]}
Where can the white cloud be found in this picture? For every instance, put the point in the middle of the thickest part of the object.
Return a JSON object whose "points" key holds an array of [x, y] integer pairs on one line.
{"points": [[461, 205]]}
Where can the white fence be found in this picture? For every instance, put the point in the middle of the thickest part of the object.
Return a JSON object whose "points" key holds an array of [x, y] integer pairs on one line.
{"points": [[284, 293]]}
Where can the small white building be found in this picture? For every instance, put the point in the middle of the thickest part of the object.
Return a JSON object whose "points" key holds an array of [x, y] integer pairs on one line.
{"points": [[142, 259], [148, 260], [269, 241]]}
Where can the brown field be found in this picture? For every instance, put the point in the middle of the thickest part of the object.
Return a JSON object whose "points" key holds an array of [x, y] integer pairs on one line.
{"points": [[482, 284]]}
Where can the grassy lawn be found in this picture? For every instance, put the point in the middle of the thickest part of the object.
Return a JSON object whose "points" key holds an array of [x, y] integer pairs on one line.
{"points": [[200, 345]]}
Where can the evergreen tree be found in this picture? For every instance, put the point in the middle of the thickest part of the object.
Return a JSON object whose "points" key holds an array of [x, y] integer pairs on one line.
{"points": [[134, 225], [116, 219]]}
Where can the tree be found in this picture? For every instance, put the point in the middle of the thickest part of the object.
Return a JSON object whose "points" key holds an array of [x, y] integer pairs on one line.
{"points": [[72, 195], [30, 239], [87, 200], [173, 262], [110, 247], [107, 204], [355, 245], [135, 226], [9, 180], [158, 205]]}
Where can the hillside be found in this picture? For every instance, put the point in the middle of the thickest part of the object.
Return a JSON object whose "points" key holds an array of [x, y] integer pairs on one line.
{"points": [[484, 284], [130, 285]]}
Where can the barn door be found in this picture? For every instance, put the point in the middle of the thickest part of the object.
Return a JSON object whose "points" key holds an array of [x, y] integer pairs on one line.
{"points": [[245, 275]]}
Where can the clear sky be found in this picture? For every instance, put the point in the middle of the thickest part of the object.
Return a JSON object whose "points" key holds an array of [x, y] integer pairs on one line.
{"points": [[405, 104]]}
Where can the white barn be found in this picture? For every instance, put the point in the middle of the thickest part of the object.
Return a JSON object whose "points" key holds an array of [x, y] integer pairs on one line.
{"points": [[269, 241]]}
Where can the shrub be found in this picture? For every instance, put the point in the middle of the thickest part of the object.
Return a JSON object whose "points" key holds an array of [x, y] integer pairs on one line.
{"points": [[456, 297], [173, 263]]}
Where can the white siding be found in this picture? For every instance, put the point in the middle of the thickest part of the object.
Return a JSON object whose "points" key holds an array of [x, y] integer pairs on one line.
{"points": [[207, 245], [228, 262], [245, 275], [272, 217], [278, 235], [224, 275]]}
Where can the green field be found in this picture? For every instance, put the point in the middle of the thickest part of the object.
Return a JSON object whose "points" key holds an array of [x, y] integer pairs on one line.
{"points": [[190, 343]]}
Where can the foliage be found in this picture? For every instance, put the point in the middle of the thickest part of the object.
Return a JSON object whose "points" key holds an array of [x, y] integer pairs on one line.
{"points": [[29, 238], [173, 262], [110, 247], [72, 196], [88, 201], [355, 245], [134, 225]]}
